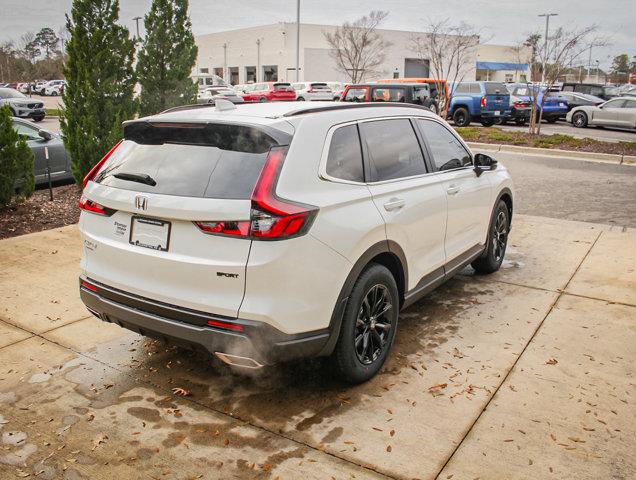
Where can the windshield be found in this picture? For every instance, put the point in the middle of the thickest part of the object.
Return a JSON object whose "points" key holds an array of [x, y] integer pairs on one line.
{"points": [[10, 93]]}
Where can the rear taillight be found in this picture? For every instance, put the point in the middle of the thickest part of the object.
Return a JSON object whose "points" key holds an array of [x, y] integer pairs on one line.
{"points": [[93, 207], [98, 166], [483, 102], [271, 217]]}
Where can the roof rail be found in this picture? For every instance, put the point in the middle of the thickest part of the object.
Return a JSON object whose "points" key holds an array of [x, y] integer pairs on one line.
{"points": [[345, 105], [189, 107]]}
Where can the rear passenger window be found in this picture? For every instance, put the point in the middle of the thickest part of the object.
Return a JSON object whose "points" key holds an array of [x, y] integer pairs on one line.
{"points": [[345, 157], [393, 149], [447, 152]]}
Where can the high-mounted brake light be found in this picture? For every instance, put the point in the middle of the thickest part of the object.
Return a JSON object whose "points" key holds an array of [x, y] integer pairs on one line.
{"points": [[98, 166], [271, 218], [483, 101]]}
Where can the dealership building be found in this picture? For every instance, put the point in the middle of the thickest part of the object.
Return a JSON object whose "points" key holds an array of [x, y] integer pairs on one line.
{"points": [[268, 53]]}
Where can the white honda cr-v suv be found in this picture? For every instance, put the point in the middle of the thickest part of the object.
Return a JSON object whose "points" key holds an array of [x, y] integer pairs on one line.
{"points": [[266, 232]]}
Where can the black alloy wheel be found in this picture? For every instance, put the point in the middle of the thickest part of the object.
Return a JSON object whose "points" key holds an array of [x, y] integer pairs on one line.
{"points": [[500, 236], [373, 324]]}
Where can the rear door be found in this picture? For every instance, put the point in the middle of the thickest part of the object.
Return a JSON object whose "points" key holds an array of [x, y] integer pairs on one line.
{"points": [[468, 196], [412, 203], [608, 113], [149, 243]]}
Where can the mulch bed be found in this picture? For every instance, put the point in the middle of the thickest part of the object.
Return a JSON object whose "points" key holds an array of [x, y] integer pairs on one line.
{"points": [[559, 141], [39, 213]]}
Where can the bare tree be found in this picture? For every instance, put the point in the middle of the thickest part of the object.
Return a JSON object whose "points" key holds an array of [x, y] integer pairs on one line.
{"points": [[563, 50], [357, 48], [450, 51]]}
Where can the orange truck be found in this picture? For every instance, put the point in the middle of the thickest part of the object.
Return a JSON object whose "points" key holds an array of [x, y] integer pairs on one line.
{"points": [[434, 83]]}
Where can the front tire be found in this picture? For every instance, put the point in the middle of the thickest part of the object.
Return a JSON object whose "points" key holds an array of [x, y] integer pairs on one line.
{"points": [[495, 251], [368, 327], [487, 122], [461, 118], [300, 99], [262, 99], [579, 120]]}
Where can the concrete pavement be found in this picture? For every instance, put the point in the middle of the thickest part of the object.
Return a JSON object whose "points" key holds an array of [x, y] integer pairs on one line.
{"points": [[527, 373]]}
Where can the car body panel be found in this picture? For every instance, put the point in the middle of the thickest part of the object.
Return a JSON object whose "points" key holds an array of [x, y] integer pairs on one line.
{"points": [[608, 116]]}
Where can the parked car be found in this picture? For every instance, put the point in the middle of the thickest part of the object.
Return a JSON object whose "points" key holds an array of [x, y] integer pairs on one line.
{"points": [[341, 216], [575, 99], [618, 112], [40, 86], [603, 91], [40, 140], [484, 102], [209, 95], [554, 107], [23, 88], [434, 85], [269, 92], [22, 106], [312, 91], [416, 93], [337, 89], [54, 88]]}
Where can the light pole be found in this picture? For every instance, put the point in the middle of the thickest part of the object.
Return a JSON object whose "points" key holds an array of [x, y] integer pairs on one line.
{"points": [[545, 42], [136, 19], [598, 77], [297, 39], [258, 59]]}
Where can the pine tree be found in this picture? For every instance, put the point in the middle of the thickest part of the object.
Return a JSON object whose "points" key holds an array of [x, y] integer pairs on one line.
{"points": [[167, 57], [100, 80], [16, 161]]}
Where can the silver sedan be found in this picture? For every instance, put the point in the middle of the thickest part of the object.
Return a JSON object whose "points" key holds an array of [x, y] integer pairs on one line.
{"points": [[618, 112]]}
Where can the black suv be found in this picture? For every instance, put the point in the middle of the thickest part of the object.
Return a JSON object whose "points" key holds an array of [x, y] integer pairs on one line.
{"points": [[602, 91]]}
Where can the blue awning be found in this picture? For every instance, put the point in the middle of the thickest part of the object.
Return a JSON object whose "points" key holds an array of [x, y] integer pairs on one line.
{"points": [[501, 66]]}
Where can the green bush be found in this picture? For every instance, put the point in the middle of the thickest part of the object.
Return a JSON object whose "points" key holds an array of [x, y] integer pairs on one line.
{"points": [[16, 161]]}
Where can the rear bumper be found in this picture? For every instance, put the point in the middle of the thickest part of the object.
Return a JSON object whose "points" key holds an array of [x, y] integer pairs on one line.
{"points": [[256, 340]]}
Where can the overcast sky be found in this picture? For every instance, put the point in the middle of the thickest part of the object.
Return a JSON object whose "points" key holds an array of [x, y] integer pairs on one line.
{"points": [[505, 22]]}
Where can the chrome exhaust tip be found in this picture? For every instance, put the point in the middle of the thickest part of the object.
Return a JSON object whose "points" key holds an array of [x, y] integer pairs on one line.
{"points": [[238, 361]]}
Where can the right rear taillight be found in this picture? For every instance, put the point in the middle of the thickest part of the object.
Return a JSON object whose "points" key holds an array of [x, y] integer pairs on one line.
{"points": [[93, 207], [98, 166], [483, 102], [271, 217]]}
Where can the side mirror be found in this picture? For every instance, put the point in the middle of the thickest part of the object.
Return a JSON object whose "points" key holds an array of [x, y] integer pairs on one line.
{"points": [[45, 134], [484, 163]]}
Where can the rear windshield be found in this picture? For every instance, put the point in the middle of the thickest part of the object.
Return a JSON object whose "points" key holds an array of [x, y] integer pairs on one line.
{"points": [[494, 88], [319, 86], [285, 87], [192, 160]]}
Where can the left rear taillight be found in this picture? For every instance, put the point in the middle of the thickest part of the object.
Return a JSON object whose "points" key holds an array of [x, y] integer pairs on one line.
{"points": [[271, 217], [98, 166], [483, 102]]}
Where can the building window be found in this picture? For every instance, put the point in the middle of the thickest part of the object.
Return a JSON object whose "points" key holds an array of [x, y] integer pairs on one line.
{"points": [[250, 74], [509, 78], [270, 73], [219, 71], [234, 75], [204, 70]]}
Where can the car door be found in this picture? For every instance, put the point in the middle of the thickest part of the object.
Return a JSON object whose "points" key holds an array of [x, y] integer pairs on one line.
{"points": [[627, 114], [469, 197], [411, 202], [35, 143], [608, 113]]}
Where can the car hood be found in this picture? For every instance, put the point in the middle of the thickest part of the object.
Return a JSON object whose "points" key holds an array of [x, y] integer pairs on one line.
{"points": [[18, 101]]}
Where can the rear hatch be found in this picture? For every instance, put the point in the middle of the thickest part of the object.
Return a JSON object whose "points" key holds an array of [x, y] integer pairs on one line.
{"points": [[497, 97], [155, 185], [320, 90], [283, 91]]}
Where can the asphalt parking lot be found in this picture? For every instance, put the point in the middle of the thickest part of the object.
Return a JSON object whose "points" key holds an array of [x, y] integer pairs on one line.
{"points": [[527, 373]]}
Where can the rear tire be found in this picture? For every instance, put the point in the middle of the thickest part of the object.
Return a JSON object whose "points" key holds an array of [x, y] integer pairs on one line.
{"points": [[520, 121], [368, 327], [495, 251], [461, 118], [579, 120], [551, 119], [300, 99], [262, 99], [487, 122]]}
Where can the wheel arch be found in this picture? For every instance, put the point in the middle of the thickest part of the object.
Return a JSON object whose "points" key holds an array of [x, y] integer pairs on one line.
{"points": [[387, 253]]}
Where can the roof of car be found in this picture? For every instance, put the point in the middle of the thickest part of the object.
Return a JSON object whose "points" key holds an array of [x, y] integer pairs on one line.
{"points": [[268, 110]]}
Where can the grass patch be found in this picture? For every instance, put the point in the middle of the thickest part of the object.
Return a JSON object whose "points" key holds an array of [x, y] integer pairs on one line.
{"points": [[558, 141], [55, 112]]}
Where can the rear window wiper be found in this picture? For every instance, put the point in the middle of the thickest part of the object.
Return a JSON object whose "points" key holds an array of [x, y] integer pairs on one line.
{"points": [[136, 177]]}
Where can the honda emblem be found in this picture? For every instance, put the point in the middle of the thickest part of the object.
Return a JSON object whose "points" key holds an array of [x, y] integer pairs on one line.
{"points": [[141, 202]]}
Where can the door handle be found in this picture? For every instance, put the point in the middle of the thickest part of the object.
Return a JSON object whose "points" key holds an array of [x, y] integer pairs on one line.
{"points": [[394, 204], [452, 190]]}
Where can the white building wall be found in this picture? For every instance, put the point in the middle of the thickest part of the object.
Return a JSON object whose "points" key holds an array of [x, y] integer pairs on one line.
{"points": [[278, 44], [504, 54]]}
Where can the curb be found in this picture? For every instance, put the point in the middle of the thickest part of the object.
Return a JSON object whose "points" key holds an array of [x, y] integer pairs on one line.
{"points": [[553, 152]]}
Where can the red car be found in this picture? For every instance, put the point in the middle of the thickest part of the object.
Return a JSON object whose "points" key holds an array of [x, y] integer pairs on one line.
{"points": [[269, 92]]}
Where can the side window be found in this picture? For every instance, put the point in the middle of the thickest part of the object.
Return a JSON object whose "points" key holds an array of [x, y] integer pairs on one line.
{"points": [[388, 95], [393, 149], [614, 104], [462, 88], [447, 152], [345, 157], [356, 95], [475, 88], [27, 132], [630, 104]]}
